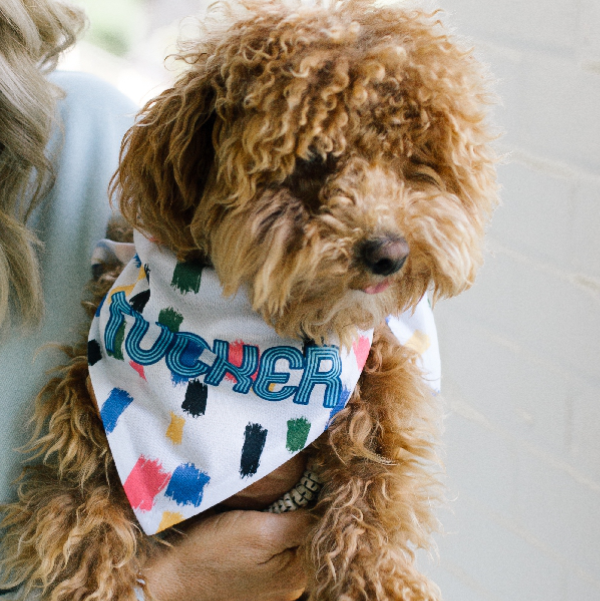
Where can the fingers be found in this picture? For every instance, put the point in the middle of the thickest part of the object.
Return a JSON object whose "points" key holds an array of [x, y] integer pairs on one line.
{"points": [[287, 575], [234, 556], [277, 532]]}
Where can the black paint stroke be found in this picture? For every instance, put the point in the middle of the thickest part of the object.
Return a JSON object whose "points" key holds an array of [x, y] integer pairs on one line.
{"points": [[196, 396], [94, 352], [139, 301], [255, 437]]}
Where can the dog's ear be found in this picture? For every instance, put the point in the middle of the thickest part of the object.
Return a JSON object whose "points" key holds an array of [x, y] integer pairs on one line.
{"points": [[459, 203], [451, 142], [166, 158]]}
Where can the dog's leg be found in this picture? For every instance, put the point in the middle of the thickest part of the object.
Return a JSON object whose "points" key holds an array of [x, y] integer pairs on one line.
{"points": [[72, 534], [377, 461]]}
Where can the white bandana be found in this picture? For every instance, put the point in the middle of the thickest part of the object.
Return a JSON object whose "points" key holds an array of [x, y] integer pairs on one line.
{"points": [[199, 397]]}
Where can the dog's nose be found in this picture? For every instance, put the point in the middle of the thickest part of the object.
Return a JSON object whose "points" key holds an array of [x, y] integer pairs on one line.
{"points": [[384, 255]]}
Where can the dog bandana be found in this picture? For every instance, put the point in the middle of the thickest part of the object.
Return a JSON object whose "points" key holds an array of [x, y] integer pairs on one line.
{"points": [[199, 397]]}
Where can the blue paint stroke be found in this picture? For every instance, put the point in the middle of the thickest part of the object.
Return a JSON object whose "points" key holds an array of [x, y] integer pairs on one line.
{"points": [[344, 396], [187, 485], [113, 408], [189, 356]]}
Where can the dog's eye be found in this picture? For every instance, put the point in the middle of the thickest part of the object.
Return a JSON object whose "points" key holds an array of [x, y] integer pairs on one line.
{"points": [[426, 175], [309, 177], [425, 178]]}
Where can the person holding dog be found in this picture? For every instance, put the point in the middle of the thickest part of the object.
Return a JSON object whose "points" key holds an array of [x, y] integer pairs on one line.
{"points": [[59, 142]]}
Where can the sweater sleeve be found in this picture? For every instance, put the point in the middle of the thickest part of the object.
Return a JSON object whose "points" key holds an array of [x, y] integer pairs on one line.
{"points": [[84, 150]]}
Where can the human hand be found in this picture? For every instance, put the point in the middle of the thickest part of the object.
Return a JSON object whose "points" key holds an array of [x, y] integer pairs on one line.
{"points": [[233, 556]]}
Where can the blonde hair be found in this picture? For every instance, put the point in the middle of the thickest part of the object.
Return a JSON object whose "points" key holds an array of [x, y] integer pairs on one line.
{"points": [[32, 36]]}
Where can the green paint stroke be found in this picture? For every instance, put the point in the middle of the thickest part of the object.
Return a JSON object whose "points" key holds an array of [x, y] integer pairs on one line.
{"points": [[187, 277], [119, 339], [297, 433], [170, 318]]}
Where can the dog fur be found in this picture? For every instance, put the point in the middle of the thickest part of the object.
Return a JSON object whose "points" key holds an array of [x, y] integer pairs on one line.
{"points": [[296, 135]]}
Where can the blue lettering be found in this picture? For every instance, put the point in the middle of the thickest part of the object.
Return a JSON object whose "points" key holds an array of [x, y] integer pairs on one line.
{"points": [[119, 307], [267, 374], [312, 376], [159, 348], [242, 374], [184, 357], [183, 351]]}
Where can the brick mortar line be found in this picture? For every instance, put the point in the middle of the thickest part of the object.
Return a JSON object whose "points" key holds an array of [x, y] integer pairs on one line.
{"points": [[580, 280], [468, 580], [517, 53], [555, 168], [570, 375], [465, 410], [529, 538]]}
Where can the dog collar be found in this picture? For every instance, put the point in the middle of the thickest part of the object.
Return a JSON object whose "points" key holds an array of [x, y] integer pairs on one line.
{"points": [[199, 397]]}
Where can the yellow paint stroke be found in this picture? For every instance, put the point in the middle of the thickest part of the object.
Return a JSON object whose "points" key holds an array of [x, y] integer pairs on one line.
{"points": [[126, 289], [419, 342], [169, 519], [175, 429], [272, 387]]}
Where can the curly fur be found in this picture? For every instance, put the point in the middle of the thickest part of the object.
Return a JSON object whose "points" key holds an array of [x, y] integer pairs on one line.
{"points": [[296, 135], [74, 496], [380, 484], [284, 126]]}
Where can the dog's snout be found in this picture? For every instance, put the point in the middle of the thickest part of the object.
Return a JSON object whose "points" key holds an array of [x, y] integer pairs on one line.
{"points": [[384, 255]]}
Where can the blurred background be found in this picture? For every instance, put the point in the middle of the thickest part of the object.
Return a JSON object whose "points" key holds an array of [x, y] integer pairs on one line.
{"points": [[520, 350], [127, 42]]}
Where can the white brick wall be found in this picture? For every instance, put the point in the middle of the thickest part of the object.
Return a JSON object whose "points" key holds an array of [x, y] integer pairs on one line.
{"points": [[521, 350]]}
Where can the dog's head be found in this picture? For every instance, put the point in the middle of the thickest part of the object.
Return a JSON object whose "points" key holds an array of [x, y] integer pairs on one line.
{"points": [[334, 160]]}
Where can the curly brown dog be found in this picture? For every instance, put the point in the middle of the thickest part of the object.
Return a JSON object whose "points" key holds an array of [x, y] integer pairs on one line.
{"points": [[334, 161]]}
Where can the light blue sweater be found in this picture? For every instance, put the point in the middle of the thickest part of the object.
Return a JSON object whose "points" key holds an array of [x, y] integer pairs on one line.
{"points": [[71, 219]]}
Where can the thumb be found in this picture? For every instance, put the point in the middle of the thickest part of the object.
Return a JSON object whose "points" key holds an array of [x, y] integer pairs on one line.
{"points": [[288, 530]]}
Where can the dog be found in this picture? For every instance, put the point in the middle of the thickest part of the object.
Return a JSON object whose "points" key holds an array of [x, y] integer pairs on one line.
{"points": [[333, 161]]}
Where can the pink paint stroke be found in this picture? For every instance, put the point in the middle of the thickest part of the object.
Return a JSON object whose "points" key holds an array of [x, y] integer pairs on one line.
{"points": [[361, 351], [236, 357], [139, 368], [144, 482]]}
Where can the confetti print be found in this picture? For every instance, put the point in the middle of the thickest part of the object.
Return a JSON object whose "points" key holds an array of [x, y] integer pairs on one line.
{"points": [[187, 277], [114, 407], [361, 351], [119, 340], [236, 357], [297, 433], [139, 301], [418, 342], [186, 486], [255, 437], [94, 352], [196, 396], [138, 368], [170, 318], [175, 429], [144, 482], [169, 519]]}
